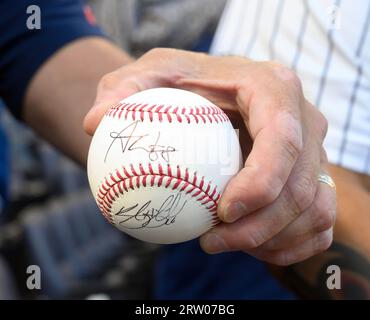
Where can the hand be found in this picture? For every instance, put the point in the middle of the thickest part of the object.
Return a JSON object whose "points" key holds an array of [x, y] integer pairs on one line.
{"points": [[274, 208]]}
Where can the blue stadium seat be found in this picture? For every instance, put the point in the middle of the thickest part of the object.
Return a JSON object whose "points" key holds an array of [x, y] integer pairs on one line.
{"points": [[8, 290], [71, 243]]}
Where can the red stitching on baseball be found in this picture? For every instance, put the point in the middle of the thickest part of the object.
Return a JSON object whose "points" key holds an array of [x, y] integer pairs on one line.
{"points": [[167, 113], [114, 185]]}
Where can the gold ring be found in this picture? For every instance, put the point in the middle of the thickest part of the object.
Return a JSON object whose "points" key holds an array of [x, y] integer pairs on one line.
{"points": [[325, 178]]}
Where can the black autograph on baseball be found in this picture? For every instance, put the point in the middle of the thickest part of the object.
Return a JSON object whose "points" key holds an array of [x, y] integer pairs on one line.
{"points": [[131, 142], [147, 216]]}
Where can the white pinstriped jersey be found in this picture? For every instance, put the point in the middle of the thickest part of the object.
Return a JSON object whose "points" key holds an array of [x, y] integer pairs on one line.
{"points": [[328, 44]]}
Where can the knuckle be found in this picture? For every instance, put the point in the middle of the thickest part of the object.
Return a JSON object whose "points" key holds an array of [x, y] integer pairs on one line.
{"points": [[271, 244], [323, 156], [292, 146], [254, 239], [109, 81], [273, 65], [285, 74], [290, 204], [154, 52], [288, 257], [158, 53], [267, 189], [322, 124], [282, 258], [323, 215], [303, 192], [323, 241], [325, 221], [294, 79]]}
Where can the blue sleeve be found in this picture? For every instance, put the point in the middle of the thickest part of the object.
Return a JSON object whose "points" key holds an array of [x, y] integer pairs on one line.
{"points": [[23, 51]]}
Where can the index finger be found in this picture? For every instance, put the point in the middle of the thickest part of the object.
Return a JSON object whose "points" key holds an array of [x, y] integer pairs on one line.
{"points": [[275, 126], [104, 100]]}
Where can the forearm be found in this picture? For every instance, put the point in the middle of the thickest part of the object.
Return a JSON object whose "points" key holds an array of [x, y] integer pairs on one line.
{"points": [[350, 250], [64, 89]]}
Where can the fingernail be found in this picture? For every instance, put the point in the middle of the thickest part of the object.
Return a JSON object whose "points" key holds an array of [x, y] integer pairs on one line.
{"points": [[213, 243], [235, 211]]}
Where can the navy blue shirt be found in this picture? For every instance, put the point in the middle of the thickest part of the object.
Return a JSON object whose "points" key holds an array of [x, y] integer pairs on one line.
{"points": [[183, 270], [4, 166], [23, 51]]}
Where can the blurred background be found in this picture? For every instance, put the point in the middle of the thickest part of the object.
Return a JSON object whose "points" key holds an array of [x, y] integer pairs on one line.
{"points": [[50, 219]]}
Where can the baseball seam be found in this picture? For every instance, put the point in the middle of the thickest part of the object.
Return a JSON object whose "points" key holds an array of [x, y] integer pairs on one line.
{"points": [[160, 112], [129, 178]]}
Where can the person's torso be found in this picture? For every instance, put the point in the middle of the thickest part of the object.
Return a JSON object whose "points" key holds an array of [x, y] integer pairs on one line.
{"points": [[328, 44], [184, 271]]}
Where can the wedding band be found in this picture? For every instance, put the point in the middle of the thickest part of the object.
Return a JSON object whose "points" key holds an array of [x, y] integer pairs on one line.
{"points": [[325, 178]]}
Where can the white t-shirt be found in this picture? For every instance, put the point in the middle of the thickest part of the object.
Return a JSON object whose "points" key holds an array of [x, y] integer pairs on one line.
{"points": [[328, 44]]}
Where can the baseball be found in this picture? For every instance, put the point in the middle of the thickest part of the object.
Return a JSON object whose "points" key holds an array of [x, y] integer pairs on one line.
{"points": [[159, 162]]}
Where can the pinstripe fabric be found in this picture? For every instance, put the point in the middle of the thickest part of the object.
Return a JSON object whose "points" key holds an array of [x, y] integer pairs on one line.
{"points": [[327, 63], [327, 42], [239, 24], [301, 34], [275, 29], [367, 162], [356, 85], [256, 25]]}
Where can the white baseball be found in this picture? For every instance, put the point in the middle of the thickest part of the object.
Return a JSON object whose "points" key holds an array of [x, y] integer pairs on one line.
{"points": [[159, 162]]}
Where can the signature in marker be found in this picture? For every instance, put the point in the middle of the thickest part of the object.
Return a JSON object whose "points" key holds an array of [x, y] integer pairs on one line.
{"points": [[148, 216], [129, 141]]}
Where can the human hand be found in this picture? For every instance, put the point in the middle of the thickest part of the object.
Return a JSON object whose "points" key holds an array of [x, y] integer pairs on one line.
{"points": [[274, 208]]}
